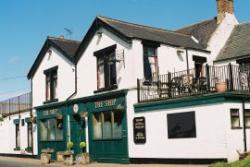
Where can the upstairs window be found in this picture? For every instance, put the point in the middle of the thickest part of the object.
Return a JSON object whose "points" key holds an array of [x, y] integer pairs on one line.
{"points": [[51, 84], [150, 61], [106, 68]]}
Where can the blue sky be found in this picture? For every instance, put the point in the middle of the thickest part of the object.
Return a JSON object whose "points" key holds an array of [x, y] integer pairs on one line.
{"points": [[25, 24]]}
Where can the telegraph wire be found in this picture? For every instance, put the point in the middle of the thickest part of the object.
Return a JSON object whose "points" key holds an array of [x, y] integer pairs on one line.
{"points": [[12, 78]]}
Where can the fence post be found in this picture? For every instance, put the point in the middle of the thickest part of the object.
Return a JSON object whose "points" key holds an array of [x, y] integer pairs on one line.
{"points": [[169, 85], [208, 77], [138, 91], [230, 76]]}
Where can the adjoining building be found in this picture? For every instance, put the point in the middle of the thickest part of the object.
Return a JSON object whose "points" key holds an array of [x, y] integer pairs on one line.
{"points": [[17, 127], [138, 93]]}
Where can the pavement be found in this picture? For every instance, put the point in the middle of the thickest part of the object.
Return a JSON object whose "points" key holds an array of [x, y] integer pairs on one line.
{"points": [[26, 162]]}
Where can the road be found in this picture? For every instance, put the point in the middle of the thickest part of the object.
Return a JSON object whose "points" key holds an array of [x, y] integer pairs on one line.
{"points": [[22, 162]]}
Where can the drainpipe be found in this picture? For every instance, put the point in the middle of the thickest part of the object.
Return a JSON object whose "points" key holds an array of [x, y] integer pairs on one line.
{"points": [[74, 93], [187, 61], [244, 126]]}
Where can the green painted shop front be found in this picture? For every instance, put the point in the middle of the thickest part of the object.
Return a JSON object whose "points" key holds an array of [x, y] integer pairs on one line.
{"points": [[101, 118]]}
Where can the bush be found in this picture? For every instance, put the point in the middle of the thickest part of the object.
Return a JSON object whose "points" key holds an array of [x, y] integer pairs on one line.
{"points": [[82, 145], [70, 145], [242, 163]]}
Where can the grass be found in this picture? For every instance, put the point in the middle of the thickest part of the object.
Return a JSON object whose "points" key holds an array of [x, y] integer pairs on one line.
{"points": [[242, 163]]}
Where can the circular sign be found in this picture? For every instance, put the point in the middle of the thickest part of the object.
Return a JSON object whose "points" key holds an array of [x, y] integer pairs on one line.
{"points": [[75, 108]]}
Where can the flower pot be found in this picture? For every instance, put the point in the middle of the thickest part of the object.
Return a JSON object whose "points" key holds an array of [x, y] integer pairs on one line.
{"points": [[83, 158], [221, 87], [45, 158]]}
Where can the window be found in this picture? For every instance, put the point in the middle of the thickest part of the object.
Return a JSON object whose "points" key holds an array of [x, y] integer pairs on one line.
{"points": [[247, 118], [181, 125], [49, 131], [29, 130], [198, 64], [107, 125], [235, 118], [51, 83], [150, 63], [106, 68], [244, 64], [17, 135]]}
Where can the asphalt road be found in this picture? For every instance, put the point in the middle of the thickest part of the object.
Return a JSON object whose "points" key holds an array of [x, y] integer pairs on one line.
{"points": [[22, 162]]}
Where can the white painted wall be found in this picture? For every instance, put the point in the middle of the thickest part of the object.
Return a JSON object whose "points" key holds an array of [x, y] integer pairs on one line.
{"points": [[221, 35], [65, 75], [8, 135], [215, 138]]}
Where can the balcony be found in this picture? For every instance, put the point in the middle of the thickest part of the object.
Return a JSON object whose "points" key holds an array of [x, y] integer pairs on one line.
{"points": [[210, 79]]}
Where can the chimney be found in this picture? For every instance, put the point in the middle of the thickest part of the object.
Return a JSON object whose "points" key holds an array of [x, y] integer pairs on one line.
{"points": [[223, 7]]}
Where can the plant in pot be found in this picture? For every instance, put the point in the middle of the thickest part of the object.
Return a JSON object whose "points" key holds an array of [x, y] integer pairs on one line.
{"points": [[220, 86], [69, 154], [83, 158]]}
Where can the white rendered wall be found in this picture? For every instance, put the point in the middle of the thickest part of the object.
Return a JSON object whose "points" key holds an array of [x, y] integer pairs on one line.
{"points": [[221, 35], [65, 75], [8, 135], [214, 136], [87, 65]]}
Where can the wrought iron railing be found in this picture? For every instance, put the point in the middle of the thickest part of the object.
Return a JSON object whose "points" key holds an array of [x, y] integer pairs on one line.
{"points": [[190, 83], [16, 105]]}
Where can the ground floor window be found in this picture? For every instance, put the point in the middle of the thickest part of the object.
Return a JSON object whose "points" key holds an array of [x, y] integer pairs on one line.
{"points": [[107, 125], [29, 130], [181, 125], [235, 118], [49, 131], [247, 118], [17, 135]]}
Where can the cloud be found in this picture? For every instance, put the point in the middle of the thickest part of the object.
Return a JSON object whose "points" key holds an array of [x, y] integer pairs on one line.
{"points": [[14, 59]]}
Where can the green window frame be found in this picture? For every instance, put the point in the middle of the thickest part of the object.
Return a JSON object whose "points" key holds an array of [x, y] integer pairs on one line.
{"points": [[247, 118], [50, 130], [235, 118], [107, 125]]}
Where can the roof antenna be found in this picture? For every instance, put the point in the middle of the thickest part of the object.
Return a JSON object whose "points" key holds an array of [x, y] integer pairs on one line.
{"points": [[69, 32]]}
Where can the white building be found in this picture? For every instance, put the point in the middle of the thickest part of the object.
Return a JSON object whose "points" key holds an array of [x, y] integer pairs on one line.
{"points": [[177, 110]]}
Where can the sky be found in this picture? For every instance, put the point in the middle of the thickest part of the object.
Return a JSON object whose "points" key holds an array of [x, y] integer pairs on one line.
{"points": [[25, 25]]}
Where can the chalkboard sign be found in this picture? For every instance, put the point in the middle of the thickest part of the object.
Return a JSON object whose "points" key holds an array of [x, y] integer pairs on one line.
{"points": [[139, 130]]}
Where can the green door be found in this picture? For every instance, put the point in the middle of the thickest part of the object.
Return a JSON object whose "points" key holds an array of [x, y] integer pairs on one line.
{"points": [[77, 132]]}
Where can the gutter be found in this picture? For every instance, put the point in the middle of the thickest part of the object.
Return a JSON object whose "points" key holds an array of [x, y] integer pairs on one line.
{"points": [[244, 126], [75, 92]]}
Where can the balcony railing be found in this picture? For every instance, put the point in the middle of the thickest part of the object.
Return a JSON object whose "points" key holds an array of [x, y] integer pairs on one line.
{"points": [[190, 83], [16, 105]]}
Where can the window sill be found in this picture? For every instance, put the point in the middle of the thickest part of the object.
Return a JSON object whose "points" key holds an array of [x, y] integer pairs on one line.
{"points": [[17, 149], [50, 101], [106, 89], [236, 128]]}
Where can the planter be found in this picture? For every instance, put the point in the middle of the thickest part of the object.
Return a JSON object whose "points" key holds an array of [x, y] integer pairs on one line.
{"points": [[221, 87], [83, 159], [60, 156], [45, 158], [68, 158]]}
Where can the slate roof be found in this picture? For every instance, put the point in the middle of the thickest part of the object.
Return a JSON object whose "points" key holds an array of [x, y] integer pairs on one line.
{"points": [[202, 31], [67, 47], [238, 44], [132, 30]]}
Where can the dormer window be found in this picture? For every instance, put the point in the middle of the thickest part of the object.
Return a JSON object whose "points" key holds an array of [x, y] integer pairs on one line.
{"points": [[51, 84], [106, 68]]}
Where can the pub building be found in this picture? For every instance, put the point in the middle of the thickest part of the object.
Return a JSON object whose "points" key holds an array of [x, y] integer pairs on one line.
{"points": [[135, 93]]}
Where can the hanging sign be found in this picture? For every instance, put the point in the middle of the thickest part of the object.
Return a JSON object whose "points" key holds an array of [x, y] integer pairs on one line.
{"points": [[139, 130]]}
